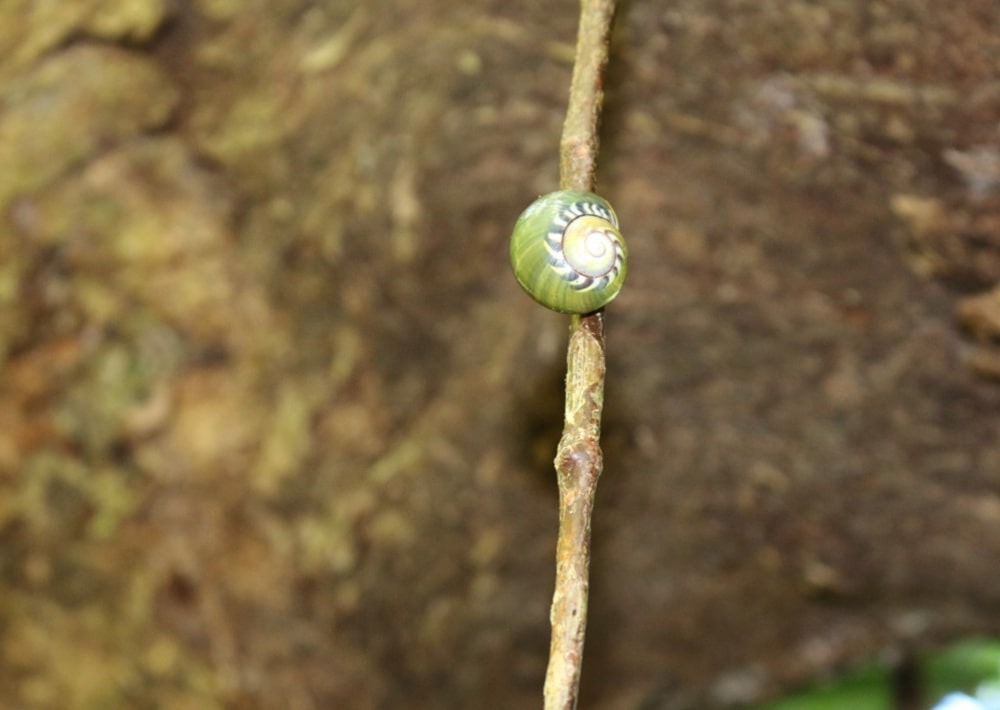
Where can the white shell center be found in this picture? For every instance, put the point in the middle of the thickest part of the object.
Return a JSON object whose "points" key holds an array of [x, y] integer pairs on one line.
{"points": [[589, 246]]}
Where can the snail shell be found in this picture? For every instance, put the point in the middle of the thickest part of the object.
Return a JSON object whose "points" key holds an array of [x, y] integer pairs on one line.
{"points": [[567, 252]]}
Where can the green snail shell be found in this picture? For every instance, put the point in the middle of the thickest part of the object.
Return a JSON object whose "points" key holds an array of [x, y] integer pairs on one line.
{"points": [[567, 252]]}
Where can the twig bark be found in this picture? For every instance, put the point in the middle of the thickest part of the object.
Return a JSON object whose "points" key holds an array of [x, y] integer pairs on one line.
{"points": [[578, 457]]}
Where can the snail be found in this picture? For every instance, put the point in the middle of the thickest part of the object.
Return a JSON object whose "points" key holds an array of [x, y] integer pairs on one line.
{"points": [[567, 252]]}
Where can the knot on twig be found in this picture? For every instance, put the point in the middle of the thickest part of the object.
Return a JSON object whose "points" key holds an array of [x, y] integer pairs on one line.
{"points": [[579, 463]]}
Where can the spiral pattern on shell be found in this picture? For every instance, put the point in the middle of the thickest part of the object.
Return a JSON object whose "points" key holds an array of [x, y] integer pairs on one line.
{"points": [[568, 253]]}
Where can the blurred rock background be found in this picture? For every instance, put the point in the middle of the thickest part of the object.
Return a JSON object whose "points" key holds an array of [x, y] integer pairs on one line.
{"points": [[276, 423]]}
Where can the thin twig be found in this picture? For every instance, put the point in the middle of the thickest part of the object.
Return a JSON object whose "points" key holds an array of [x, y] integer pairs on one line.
{"points": [[578, 458]]}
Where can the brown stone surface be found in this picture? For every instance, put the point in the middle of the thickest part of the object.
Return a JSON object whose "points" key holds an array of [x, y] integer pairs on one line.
{"points": [[276, 422]]}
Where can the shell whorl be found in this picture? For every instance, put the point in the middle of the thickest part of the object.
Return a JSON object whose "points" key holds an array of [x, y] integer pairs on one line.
{"points": [[584, 245]]}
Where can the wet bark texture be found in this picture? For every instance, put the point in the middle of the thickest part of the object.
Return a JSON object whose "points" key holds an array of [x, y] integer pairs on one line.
{"points": [[276, 422]]}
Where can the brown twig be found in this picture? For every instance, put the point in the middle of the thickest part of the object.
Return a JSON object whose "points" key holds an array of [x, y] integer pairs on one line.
{"points": [[578, 458]]}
